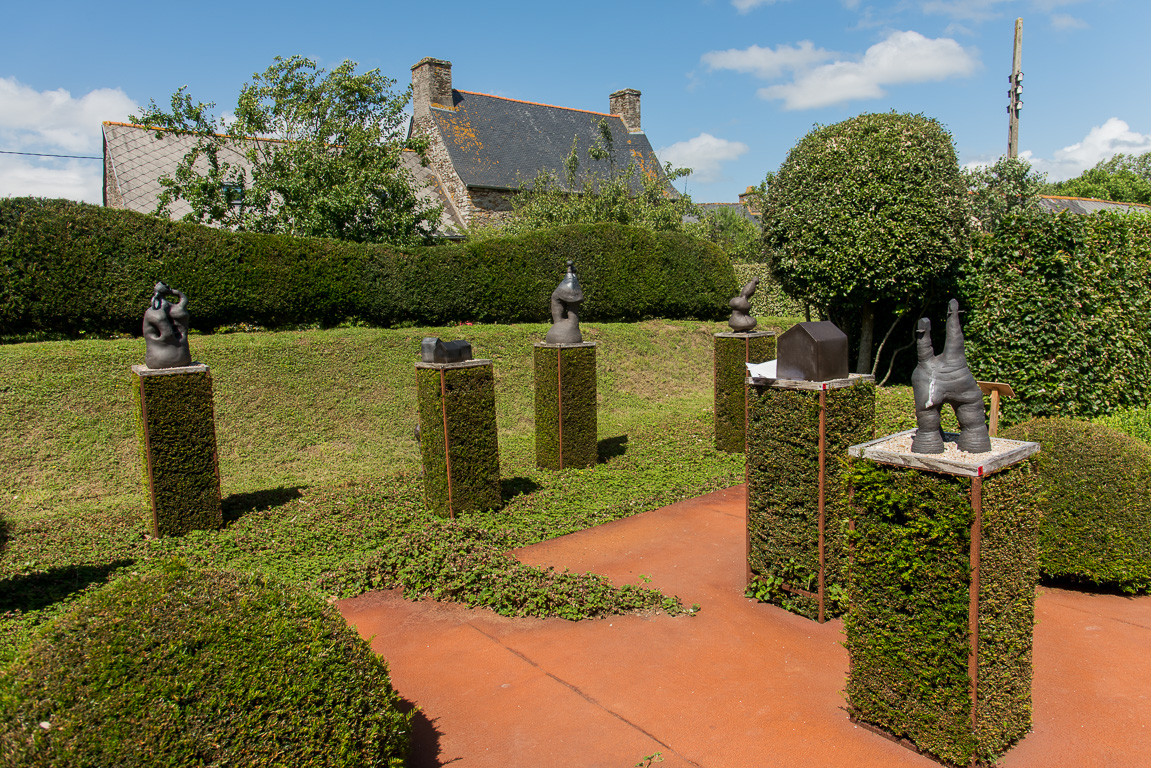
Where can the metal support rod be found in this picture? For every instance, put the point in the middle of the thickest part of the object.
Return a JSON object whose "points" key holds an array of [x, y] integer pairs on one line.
{"points": [[560, 402], [447, 447], [973, 603], [822, 494]]}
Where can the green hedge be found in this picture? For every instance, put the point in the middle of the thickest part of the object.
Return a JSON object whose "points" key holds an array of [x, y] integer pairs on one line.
{"points": [[1097, 502], [576, 394], [907, 627], [193, 668], [769, 299], [69, 267], [1059, 309], [783, 492], [1134, 422], [730, 374]]}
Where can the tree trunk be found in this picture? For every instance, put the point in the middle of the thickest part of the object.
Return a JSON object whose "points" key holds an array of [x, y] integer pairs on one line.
{"points": [[866, 338]]}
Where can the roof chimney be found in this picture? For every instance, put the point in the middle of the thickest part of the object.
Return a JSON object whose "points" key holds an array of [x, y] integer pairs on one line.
{"points": [[625, 103], [431, 84]]}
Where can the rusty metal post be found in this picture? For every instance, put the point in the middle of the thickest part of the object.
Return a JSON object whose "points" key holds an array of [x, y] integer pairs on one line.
{"points": [[822, 490], [973, 603], [447, 446], [560, 402]]}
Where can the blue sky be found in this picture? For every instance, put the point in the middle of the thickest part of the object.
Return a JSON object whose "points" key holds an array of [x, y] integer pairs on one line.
{"points": [[728, 86]]}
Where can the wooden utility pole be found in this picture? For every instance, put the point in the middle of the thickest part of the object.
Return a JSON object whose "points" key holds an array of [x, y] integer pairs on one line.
{"points": [[1016, 92]]}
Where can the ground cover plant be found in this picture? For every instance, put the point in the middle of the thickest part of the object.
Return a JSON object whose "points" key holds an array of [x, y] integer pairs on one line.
{"points": [[321, 472]]}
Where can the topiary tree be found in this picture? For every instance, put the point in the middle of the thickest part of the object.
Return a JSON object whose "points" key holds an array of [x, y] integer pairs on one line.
{"points": [[866, 219], [193, 668], [1096, 485]]}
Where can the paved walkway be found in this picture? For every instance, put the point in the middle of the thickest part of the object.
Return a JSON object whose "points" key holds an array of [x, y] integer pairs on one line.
{"points": [[738, 684]]}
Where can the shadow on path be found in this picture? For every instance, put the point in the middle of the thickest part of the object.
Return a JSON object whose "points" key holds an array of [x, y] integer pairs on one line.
{"points": [[425, 749]]}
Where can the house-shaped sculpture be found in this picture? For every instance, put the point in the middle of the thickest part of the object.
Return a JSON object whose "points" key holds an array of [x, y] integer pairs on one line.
{"points": [[812, 352], [485, 148]]}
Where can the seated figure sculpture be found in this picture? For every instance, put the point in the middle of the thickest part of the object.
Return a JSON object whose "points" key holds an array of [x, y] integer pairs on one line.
{"points": [[566, 299], [741, 320], [166, 330], [945, 378]]}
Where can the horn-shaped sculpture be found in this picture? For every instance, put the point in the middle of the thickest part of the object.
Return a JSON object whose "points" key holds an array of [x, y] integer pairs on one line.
{"points": [[741, 320], [945, 378], [566, 299], [166, 330]]}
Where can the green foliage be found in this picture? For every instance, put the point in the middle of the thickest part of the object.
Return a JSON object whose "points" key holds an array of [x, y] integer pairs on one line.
{"points": [[731, 356], [634, 195], [333, 171], [1134, 422], [278, 281], [999, 189], [783, 490], [739, 237], [566, 409], [769, 299], [1096, 486], [179, 454], [1058, 308], [1122, 178], [179, 667], [867, 219], [907, 626], [458, 439]]}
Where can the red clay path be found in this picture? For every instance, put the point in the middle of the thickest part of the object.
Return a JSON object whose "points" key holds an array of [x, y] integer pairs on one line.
{"points": [[738, 684]]}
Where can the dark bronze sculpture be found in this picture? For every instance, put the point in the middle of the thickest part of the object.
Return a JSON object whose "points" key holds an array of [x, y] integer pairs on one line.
{"points": [[741, 321], [166, 330], [945, 378], [432, 350], [565, 310]]}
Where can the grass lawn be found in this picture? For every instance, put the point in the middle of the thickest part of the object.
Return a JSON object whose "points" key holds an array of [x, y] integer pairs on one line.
{"points": [[321, 472]]}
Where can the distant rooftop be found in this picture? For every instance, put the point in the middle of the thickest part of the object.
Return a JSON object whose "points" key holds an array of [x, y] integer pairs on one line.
{"points": [[1057, 204]]}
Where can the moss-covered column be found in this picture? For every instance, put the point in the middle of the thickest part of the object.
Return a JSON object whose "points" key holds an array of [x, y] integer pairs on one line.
{"points": [[459, 441], [176, 424], [942, 602], [566, 412], [798, 433], [732, 351]]}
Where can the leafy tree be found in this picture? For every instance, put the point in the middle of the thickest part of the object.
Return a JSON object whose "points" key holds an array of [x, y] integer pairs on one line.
{"points": [[999, 189], [333, 170], [623, 196], [1123, 179], [738, 236], [866, 219]]}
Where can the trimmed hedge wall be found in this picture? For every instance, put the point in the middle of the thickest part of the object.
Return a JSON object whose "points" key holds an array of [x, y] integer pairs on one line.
{"points": [[185, 668], [908, 624], [1059, 309], [1097, 502], [70, 267], [730, 373], [178, 456], [580, 417], [783, 492], [769, 299], [466, 409]]}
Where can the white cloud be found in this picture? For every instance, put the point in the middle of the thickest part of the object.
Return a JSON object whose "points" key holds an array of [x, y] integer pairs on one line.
{"points": [[1101, 143], [743, 6], [54, 122], [767, 63], [904, 57], [1067, 21], [705, 155], [984, 10]]}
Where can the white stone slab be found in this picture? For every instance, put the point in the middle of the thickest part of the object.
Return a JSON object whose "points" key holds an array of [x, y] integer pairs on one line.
{"points": [[850, 381], [143, 370], [896, 451], [450, 366]]}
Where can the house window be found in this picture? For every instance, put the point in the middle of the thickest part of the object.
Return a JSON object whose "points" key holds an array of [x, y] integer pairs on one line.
{"points": [[233, 193]]}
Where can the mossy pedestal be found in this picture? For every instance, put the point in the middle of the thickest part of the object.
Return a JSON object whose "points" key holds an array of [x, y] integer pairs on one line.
{"points": [[732, 351], [798, 433], [176, 424], [566, 411], [459, 441], [942, 596]]}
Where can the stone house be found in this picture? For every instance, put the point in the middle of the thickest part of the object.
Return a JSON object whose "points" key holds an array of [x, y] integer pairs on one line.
{"points": [[484, 148]]}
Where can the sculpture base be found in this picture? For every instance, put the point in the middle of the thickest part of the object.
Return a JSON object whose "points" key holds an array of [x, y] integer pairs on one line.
{"points": [[459, 441], [732, 351], [942, 596], [566, 409], [798, 433], [176, 425]]}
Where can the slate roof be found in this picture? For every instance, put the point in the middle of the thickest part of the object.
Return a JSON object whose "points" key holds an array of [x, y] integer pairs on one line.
{"points": [[135, 159], [740, 208], [500, 143], [1058, 204]]}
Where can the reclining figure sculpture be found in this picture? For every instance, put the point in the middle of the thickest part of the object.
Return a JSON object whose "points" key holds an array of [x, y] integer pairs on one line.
{"points": [[566, 299], [166, 330], [945, 378], [741, 320]]}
